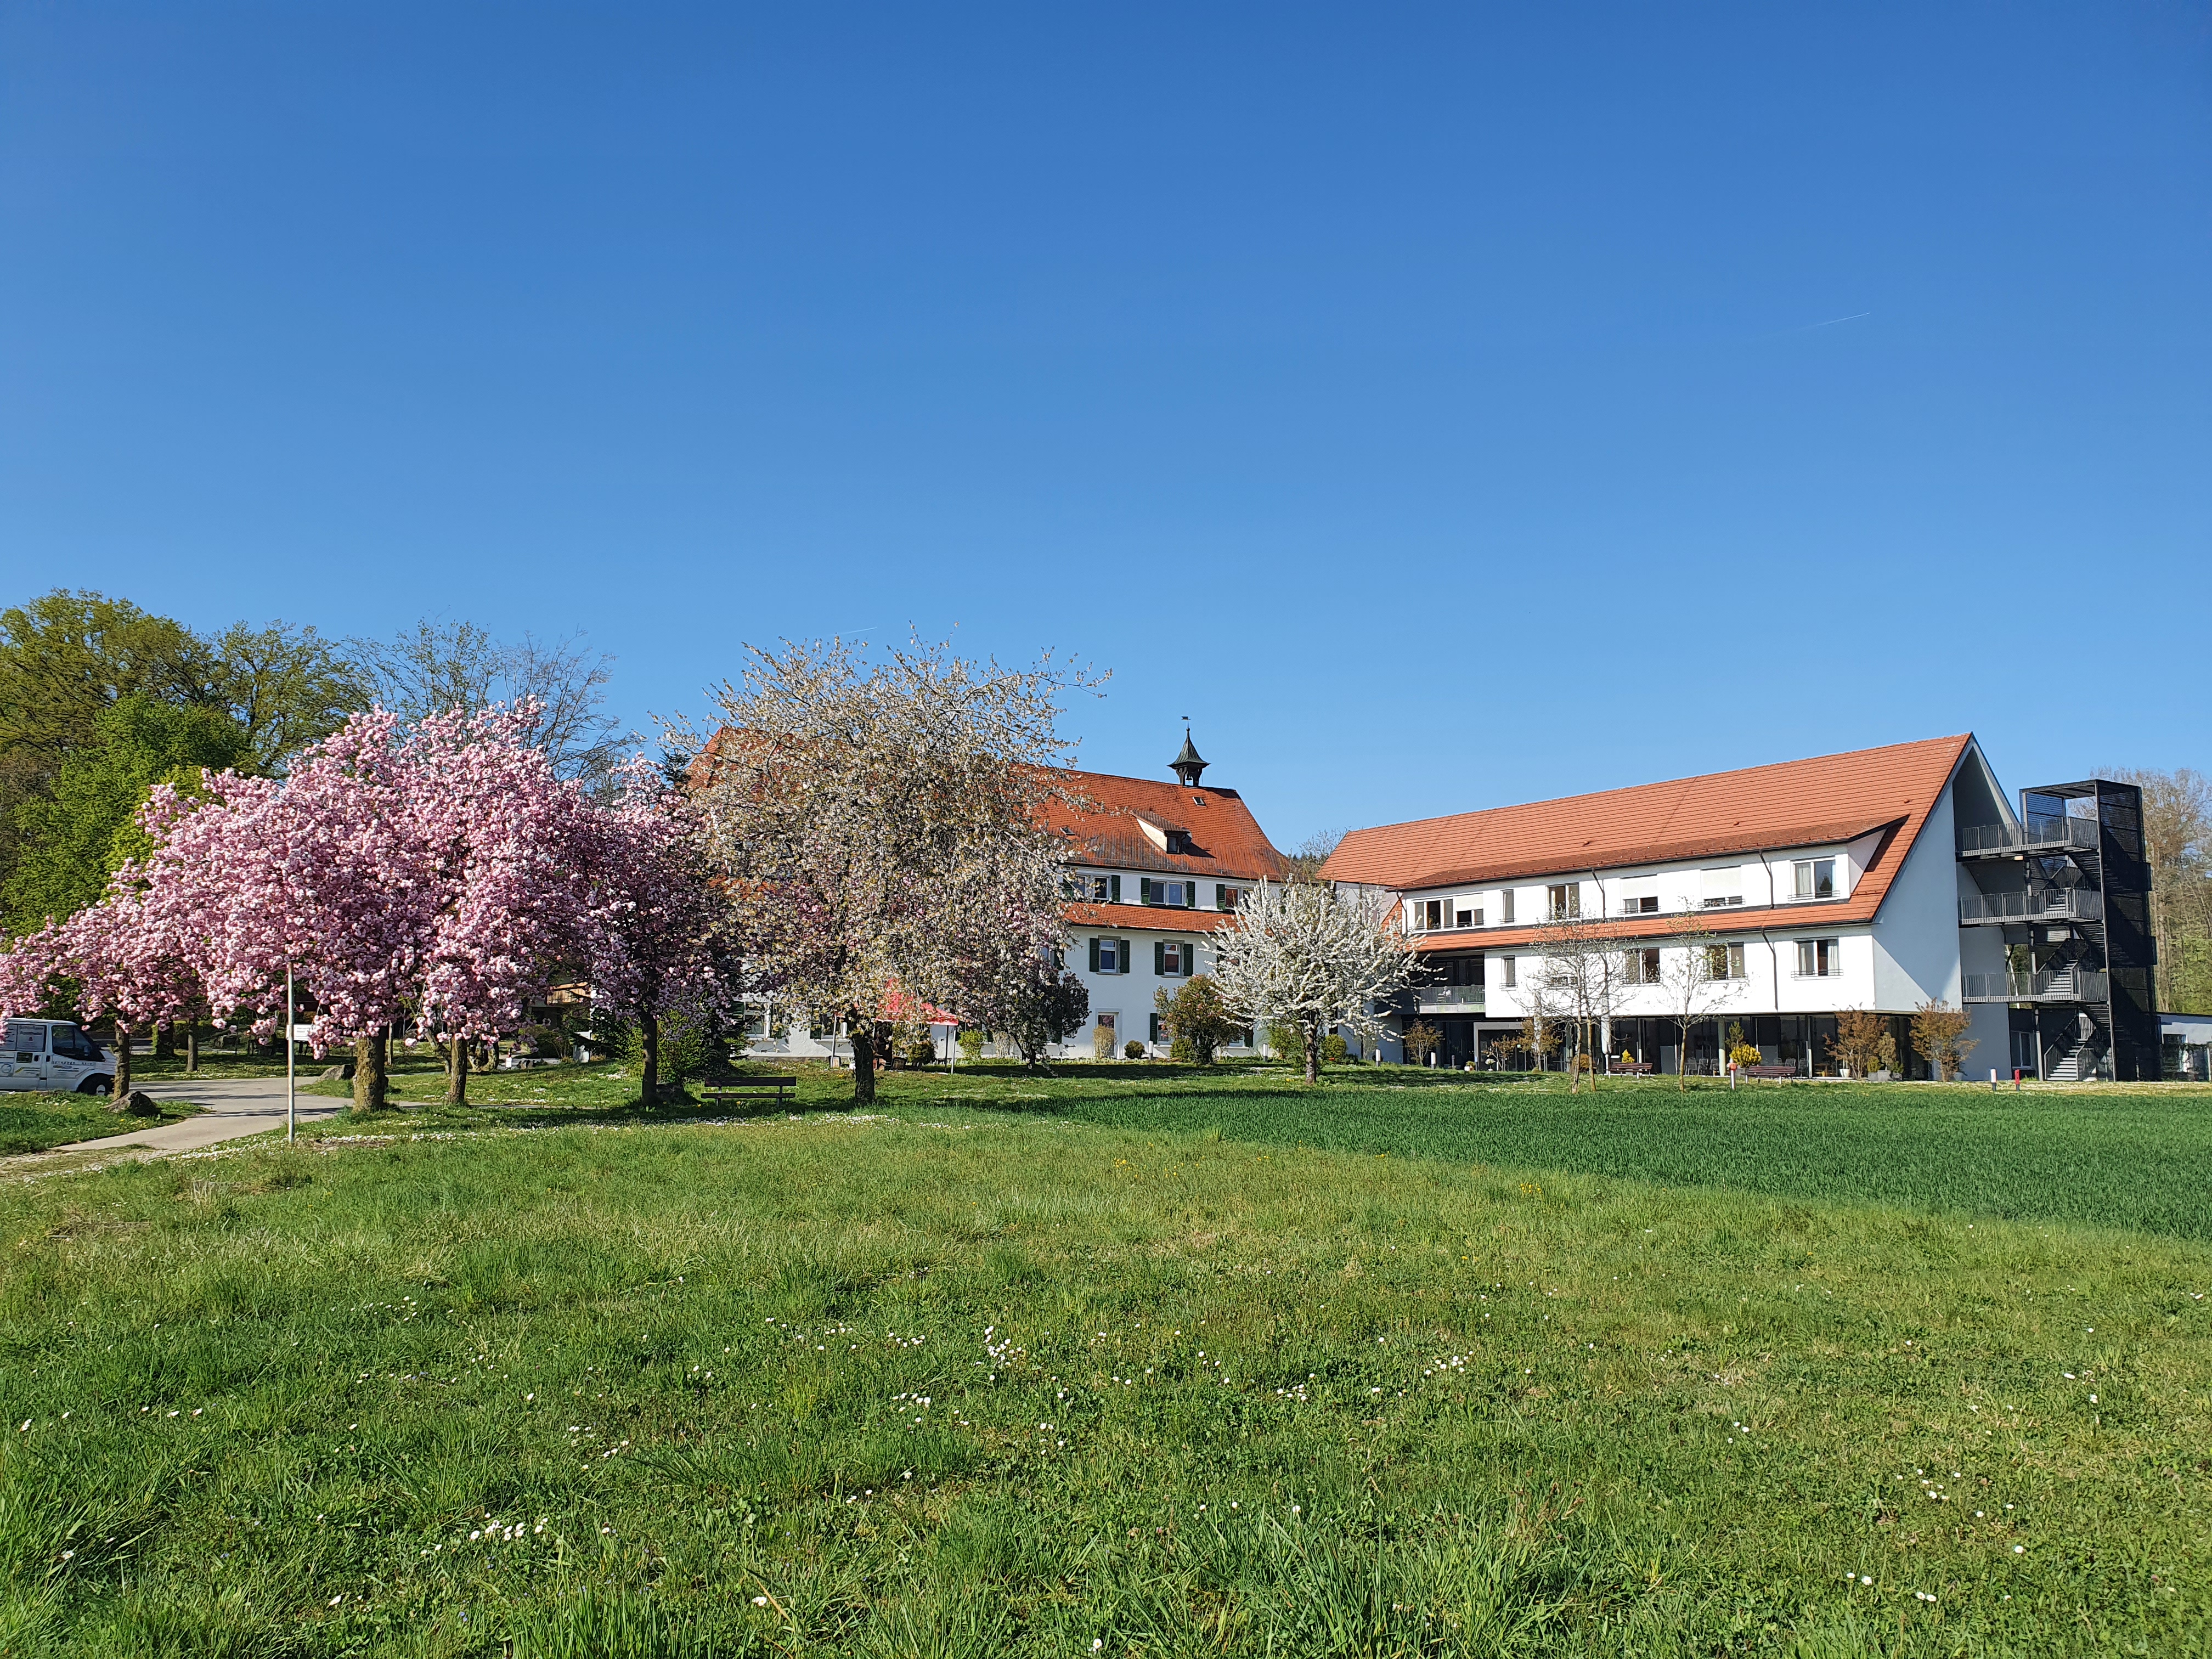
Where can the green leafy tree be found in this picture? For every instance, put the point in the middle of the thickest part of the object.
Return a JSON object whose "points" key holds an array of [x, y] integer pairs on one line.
{"points": [[72, 838], [1196, 1019]]}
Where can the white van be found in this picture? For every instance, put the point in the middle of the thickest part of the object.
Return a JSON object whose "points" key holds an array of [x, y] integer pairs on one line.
{"points": [[53, 1055]]}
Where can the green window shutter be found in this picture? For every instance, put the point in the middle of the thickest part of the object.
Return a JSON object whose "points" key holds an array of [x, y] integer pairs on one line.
{"points": [[1144, 890], [1220, 896], [1190, 895], [1114, 888], [1128, 961], [1094, 955], [1159, 956]]}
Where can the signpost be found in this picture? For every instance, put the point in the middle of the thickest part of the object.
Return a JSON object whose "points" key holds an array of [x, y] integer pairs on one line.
{"points": [[291, 1048]]}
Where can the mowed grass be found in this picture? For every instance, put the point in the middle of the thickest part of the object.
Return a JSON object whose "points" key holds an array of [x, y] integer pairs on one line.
{"points": [[964, 1379], [34, 1123]]}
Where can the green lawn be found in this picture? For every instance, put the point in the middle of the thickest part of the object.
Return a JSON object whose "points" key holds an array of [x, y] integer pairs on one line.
{"points": [[32, 1123], [1115, 1364]]}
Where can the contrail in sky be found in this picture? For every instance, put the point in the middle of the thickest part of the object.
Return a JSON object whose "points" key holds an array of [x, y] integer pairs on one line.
{"points": [[1785, 333]]}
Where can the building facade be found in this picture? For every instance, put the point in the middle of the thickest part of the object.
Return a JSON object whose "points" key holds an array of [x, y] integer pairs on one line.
{"points": [[1882, 881], [1154, 868]]}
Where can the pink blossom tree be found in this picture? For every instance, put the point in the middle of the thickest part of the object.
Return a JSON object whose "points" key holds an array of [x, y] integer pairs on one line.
{"points": [[655, 915]]}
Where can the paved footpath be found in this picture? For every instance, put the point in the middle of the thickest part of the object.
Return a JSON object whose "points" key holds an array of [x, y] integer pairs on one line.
{"points": [[234, 1106]]}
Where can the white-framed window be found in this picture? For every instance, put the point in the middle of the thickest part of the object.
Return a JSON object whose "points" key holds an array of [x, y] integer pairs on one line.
{"points": [[1641, 967], [1509, 971], [1109, 955], [1505, 908], [1467, 918], [1724, 961], [1106, 1021], [1815, 878], [1176, 895], [1226, 897], [1640, 905], [1724, 888], [1563, 901], [1175, 958], [1819, 958]]}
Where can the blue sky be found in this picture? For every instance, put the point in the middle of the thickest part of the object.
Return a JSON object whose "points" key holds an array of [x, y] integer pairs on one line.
{"points": [[1442, 406]]}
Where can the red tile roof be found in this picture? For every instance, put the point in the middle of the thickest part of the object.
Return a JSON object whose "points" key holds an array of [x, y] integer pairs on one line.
{"points": [[1226, 841], [1803, 803], [1147, 918]]}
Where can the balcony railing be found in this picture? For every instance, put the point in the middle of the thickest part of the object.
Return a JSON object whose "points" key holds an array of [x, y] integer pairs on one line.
{"points": [[1451, 999], [2041, 835], [2061, 903], [2051, 984]]}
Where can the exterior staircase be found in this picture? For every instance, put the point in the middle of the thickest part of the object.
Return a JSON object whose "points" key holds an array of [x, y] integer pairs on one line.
{"points": [[2074, 1065]]}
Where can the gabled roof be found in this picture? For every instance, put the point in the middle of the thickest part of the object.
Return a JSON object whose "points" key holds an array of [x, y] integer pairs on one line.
{"points": [[1807, 803], [1227, 843]]}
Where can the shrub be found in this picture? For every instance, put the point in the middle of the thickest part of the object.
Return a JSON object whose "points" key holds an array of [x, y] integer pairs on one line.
{"points": [[1184, 1051], [1334, 1050], [971, 1045], [1133, 1049], [1102, 1042]]}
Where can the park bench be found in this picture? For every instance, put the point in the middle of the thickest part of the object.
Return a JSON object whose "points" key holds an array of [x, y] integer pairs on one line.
{"points": [[1770, 1071], [1632, 1068], [752, 1091]]}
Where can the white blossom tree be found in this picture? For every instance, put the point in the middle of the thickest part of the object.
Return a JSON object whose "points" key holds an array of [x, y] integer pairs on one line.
{"points": [[1581, 981], [1310, 956], [1694, 973], [878, 826]]}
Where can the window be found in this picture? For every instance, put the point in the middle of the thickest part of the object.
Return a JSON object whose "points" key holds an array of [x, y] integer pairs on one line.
{"points": [[1173, 958], [1641, 968], [1432, 914], [1467, 918], [1563, 902], [1724, 888], [25, 1040], [1641, 904], [1816, 878], [1109, 955], [1176, 895], [1106, 1021], [1819, 958], [1226, 897], [1724, 961], [1509, 972], [1105, 890], [1179, 841], [1505, 908]]}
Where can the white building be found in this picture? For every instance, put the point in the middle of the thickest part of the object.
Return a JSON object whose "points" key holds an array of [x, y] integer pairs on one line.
{"points": [[1154, 867], [1880, 880]]}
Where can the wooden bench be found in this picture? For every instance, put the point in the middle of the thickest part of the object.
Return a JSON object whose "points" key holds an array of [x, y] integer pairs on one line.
{"points": [[1632, 1068], [752, 1091], [1769, 1071]]}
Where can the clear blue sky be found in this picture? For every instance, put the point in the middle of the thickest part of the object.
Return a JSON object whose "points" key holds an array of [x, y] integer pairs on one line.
{"points": [[1443, 407]]}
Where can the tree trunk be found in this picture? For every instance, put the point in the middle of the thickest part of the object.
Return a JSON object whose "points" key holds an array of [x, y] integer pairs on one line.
{"points": [[192, 1046], [648, 1025], [369, 1079], [1312, 1033], [457, 1071], [122, 1059], [864, 1063]]}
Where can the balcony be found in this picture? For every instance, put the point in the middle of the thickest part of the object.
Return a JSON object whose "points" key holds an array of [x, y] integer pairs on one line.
{"points": [[1450, 999], [2052, 985], [2051, 904], [2042, 834]]}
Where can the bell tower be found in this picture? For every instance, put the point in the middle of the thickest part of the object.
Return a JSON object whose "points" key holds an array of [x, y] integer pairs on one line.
{"points": [[1187, 765]]}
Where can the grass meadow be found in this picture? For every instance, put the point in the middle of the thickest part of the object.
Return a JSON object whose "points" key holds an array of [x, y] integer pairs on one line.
{"points": [[1131, 1362], [35, 1123]]}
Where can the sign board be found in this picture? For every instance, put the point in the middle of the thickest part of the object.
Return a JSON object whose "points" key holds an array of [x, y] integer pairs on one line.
{"points": [[302, 1033]]}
